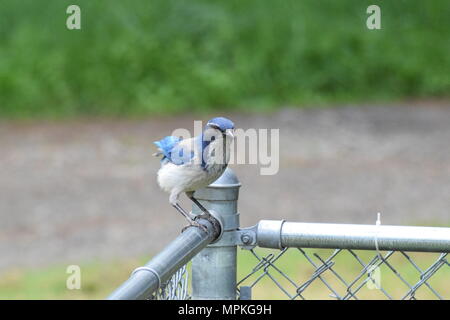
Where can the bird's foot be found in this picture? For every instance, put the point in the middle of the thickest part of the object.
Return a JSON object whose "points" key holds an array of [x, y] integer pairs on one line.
{"points": [[205, 215], [214, 220], [195, 224], [217, 227]]}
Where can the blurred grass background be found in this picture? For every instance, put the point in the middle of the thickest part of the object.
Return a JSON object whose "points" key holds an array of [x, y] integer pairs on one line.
{"points": [[99, 279], [144, 57]]}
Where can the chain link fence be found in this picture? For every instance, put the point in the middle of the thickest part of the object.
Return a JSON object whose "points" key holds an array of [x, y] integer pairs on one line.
{"points": [[348, 274], [296, 273], [292, 260], [176, 288]]}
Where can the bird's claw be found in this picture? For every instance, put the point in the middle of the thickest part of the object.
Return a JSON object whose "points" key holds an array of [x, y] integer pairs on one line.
{"points": [[195, 224]]}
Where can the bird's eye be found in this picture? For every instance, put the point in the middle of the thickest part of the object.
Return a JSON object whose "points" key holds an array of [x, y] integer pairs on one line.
{"points": [[213, 138]]}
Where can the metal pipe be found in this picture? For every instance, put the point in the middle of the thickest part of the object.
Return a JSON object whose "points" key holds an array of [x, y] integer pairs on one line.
{"points": [[280, 234], [146, 280]]}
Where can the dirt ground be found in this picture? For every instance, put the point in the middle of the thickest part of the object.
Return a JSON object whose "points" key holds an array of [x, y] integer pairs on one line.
{"points": [[85, 189]]}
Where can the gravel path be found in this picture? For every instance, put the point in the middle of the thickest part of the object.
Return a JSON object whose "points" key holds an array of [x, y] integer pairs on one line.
{"points": [[86, 189]]}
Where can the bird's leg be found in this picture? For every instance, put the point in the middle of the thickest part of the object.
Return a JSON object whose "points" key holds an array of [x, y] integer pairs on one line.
{"points": [[182, 211], [206, 214], [174, 201], [190, 195], [189, 219]]}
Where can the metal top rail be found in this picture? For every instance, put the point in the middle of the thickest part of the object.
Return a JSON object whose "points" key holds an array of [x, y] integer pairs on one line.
{"points": [[144, 281], [280, 234]]}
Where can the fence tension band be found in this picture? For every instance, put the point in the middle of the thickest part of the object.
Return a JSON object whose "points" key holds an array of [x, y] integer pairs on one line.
{"points": [[149, 270]]}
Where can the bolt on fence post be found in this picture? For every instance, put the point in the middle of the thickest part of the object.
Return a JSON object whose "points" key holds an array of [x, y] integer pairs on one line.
{"points": [[214, 268]]}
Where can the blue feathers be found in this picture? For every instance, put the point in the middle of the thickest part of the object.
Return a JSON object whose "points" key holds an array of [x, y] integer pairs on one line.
{"points": [[166, 145], [173, 151], [220, 123], [179, 151]]}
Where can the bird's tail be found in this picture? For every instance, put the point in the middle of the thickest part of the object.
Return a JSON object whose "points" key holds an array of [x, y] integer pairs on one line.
{"points": [[165, 146]]}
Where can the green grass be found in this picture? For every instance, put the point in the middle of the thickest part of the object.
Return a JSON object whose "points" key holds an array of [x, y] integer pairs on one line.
{"points": [[99, 279], [144, 57]]}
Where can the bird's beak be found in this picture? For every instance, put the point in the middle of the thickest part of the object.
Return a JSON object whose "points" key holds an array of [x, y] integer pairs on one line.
{"points": [[230, 133]]}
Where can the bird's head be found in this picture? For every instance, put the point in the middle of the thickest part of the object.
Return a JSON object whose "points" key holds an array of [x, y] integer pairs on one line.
{"points": [[224, 125]]}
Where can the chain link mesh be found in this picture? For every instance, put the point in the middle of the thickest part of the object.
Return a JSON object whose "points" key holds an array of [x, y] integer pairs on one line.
{"points": [[176, 288], [341, 274], [345, 274]]}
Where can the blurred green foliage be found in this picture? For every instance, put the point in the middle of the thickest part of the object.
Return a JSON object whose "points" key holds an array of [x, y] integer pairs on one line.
{"points": [[164, 56]]}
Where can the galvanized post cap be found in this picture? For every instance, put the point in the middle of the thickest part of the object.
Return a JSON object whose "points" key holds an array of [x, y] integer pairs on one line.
{"points": [[227, 180]]}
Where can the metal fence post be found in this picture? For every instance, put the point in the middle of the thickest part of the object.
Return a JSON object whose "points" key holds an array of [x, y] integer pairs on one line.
{"points": [[214, 268]]}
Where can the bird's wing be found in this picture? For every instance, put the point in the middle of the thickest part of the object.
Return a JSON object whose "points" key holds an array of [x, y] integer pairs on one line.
{"points": [[166, 145], [177, 150]]}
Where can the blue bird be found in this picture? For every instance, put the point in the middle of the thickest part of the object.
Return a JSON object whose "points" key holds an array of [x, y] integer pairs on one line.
{"points": [[191, 164]]}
